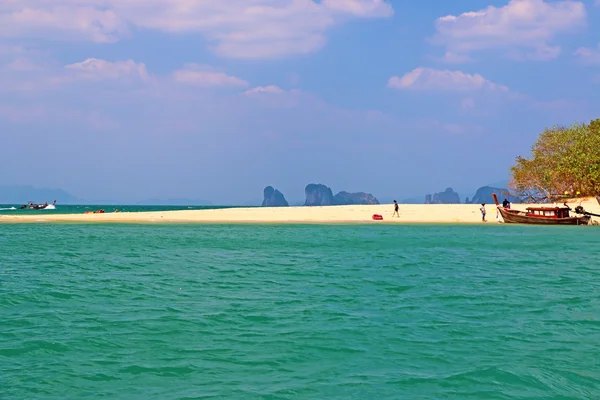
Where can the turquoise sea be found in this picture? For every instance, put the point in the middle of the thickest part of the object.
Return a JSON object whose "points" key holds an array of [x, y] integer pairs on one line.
{"points": [[299, 312], [13, 209]]}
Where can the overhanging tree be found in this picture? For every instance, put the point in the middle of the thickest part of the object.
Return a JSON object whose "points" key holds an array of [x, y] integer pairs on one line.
{"points": [[565, 161]]}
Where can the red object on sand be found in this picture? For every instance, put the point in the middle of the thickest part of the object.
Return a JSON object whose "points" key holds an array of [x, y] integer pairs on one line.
{"points": [[377, 217]]}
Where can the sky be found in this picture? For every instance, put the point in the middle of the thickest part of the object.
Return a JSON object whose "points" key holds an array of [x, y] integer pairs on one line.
{"points": [[214, 99]]}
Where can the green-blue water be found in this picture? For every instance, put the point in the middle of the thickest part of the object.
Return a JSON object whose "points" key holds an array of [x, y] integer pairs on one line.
{"points": [[299, 312], [13, 209]]}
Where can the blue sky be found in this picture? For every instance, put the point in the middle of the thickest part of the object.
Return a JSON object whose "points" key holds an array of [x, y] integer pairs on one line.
{"points": [[131, 99]]}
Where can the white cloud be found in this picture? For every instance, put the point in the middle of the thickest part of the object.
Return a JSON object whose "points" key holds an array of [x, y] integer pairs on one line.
{"points": [[265, 89], [63, 19], [589, 56], [442, 80], [29, 75], [361, 8], [197, 75], [96, 69], [235, 28], [527, 26]]}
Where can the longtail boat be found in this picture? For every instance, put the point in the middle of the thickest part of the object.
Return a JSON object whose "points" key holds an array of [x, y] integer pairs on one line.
{"points": [[542, 215]]}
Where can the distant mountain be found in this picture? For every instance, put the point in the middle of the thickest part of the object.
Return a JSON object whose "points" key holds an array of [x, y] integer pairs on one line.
{"points": [[21, 194], [484, 195], [448, 196], [174, 202]]}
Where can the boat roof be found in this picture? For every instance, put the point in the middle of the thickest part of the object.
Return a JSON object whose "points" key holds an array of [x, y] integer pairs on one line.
{"points": [[547, 208]]}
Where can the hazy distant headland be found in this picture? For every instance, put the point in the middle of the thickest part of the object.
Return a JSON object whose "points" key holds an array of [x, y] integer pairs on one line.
{"points": [[316, 194], [21, 194], [174, 202]]}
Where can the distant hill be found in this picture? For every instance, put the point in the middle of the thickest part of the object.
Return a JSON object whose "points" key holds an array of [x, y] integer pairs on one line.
{"points": [[174, 202], [484, 195], [21, 194], [448, 196]]}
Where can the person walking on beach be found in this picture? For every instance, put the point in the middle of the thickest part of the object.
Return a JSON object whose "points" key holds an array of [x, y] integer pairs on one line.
{"points": [[482, 209], [396, 213]]}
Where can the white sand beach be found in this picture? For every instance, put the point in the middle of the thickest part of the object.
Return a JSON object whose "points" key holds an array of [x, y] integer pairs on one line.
{"points": [[409, 213]]}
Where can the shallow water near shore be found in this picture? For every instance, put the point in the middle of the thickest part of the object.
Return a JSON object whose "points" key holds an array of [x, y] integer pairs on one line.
{"points": [[299, 311], [14, 209]]}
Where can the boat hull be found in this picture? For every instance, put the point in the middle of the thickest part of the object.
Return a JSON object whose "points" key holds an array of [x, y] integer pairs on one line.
{"points": [[520, 217]]}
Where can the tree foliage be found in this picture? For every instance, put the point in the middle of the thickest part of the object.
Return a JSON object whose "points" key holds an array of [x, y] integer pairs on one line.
{"points": [[565, 161]]}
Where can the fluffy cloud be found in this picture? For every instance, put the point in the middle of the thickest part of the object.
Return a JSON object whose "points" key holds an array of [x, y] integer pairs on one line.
{"points": [[235, 28], [264, 90], [36, 75], [71, 20], [197, 75], [589, 56], [528, 26], [95, 69], [442, 80], [361, 8]]}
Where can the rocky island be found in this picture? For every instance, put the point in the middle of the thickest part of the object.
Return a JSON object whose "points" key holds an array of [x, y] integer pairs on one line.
{"points": [[448, 196], [321, 195], [273, 198], [345, 198]]}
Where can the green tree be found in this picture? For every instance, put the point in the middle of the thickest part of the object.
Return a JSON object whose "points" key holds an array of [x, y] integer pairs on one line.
{"points": [[565, 161]]}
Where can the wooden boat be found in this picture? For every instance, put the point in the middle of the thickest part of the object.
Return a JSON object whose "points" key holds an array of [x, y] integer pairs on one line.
{"points": [[541, 215]]}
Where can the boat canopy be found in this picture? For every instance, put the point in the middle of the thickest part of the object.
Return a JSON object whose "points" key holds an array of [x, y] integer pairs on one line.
{"points": [[556, 212]]}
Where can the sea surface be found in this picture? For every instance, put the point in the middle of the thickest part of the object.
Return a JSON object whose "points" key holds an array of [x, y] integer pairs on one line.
{"points": [[299, 312], [13, 209]]}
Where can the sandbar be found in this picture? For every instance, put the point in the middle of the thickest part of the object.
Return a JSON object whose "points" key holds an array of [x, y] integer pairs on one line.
{"points": [[409, 214]]}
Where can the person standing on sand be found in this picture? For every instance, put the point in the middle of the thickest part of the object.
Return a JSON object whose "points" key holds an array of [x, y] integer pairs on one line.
{"points": [[482, 209], [396, 213]]}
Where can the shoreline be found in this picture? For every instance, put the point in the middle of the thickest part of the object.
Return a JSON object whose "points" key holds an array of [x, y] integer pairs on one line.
{"points": [[413, 214]]}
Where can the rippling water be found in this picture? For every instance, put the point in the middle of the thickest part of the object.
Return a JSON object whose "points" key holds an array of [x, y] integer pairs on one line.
{"points": [[307, 312], [15, 209]]}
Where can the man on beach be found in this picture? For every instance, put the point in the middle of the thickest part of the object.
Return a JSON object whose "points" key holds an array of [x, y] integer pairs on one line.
{"points": [[396, 213], [482, 209]]}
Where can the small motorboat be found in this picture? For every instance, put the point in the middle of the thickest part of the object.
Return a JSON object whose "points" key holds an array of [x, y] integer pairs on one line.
{"points": [[33, 206]]}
